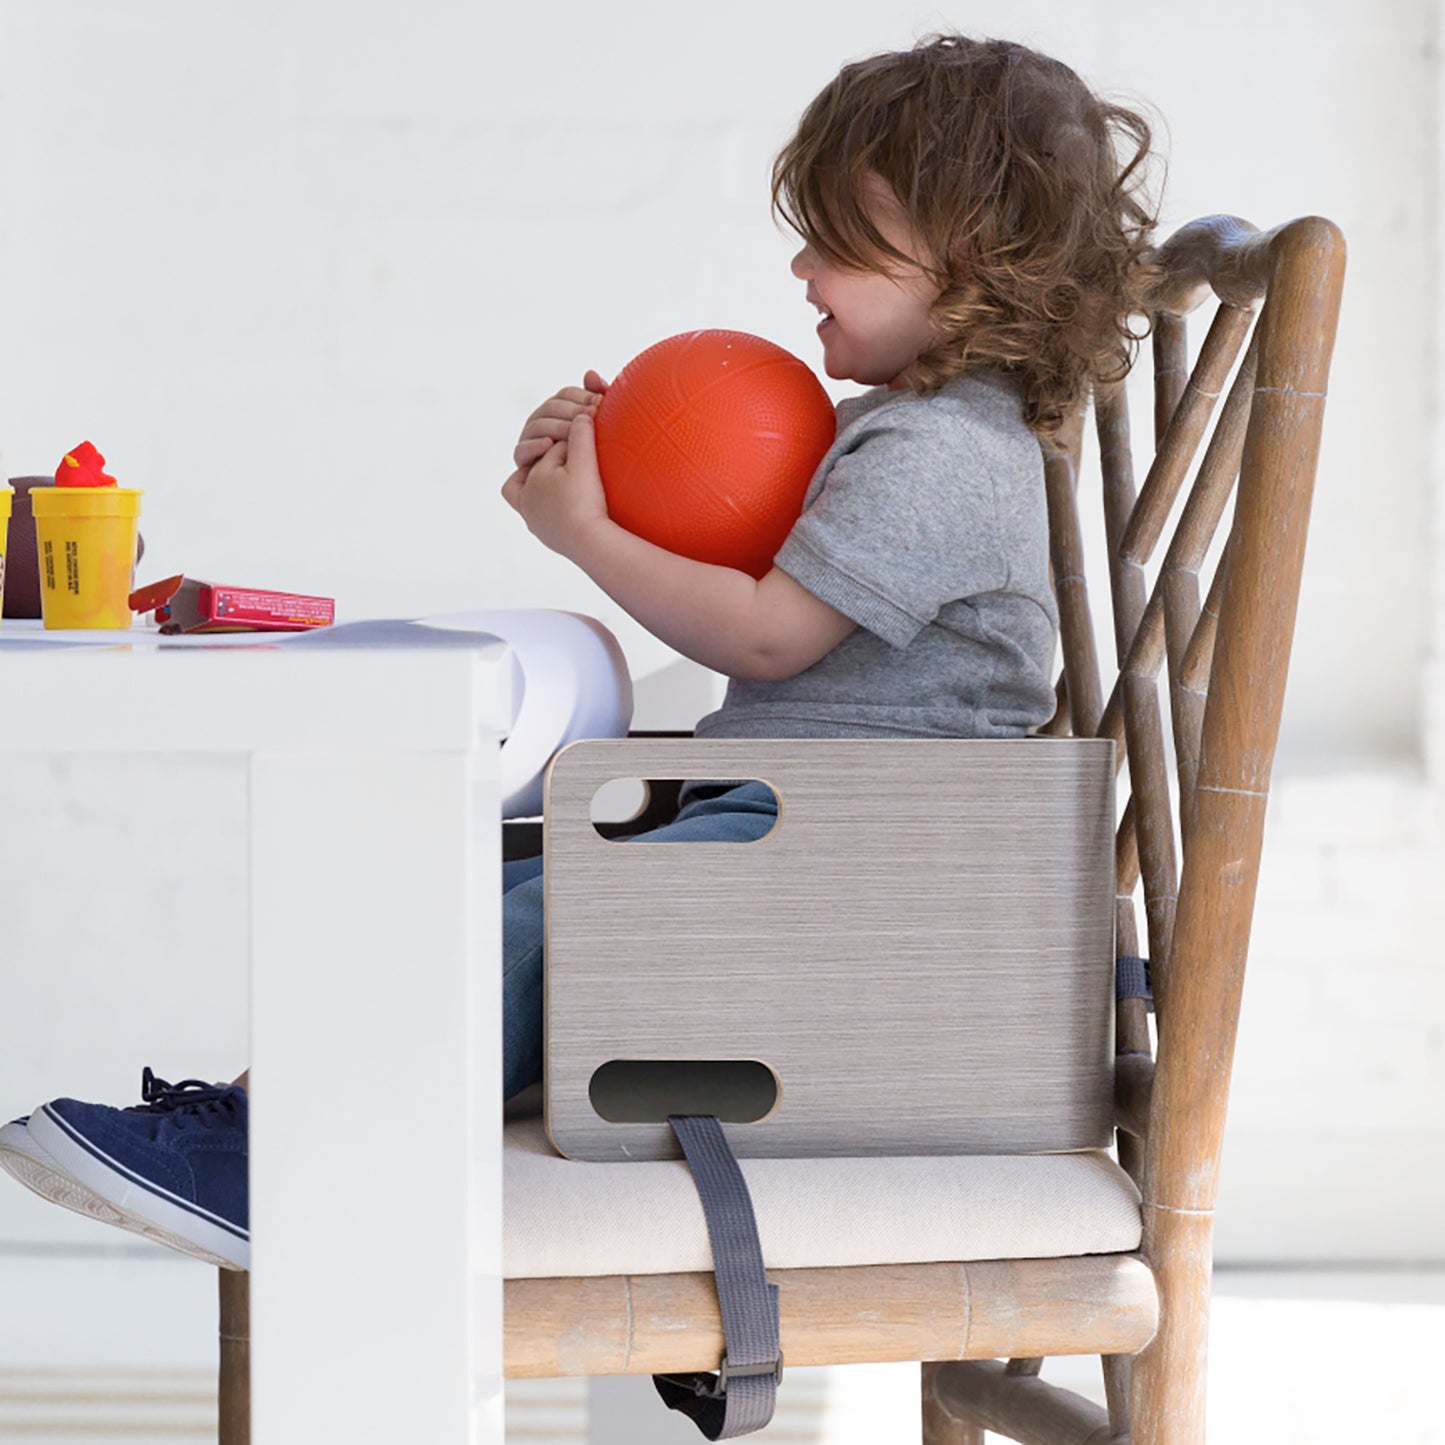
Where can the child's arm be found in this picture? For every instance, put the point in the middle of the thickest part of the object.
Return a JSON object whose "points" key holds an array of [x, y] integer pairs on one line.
{"points": [[763, 631]]}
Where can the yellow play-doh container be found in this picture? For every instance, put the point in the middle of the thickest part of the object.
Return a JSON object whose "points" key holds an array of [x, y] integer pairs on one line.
{"points": [[85, 550], [5, 496], [5, 535]]}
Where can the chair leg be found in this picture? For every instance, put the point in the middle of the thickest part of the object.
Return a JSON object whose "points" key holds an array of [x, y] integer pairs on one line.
{"points": [[234, 1423], [1117, 1369], [1167, 1378], [939, 1427]]}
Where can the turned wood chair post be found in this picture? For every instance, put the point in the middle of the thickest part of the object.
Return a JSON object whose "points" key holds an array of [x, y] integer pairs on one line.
{"points": [[234, 1395], [1240, 728], [939, 1426]]}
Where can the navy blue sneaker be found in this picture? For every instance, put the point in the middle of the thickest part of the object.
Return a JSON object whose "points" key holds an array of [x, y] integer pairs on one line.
{"points": [[172, 1169]]}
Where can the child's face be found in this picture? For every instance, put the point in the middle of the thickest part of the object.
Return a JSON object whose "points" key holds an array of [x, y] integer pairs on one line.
{"points": [[874, 325]]}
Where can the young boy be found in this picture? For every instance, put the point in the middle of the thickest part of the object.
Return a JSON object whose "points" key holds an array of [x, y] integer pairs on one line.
{"points": [[972, 239]]}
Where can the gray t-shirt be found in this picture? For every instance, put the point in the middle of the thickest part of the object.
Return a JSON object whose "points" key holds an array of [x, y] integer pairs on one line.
{"points": [[926, 524]]}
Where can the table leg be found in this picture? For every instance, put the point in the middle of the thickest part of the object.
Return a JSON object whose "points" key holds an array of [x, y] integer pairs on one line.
{"points": [[375, 1089]]}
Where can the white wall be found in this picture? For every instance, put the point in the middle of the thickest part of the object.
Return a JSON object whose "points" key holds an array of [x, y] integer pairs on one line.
{"points": [[301, 269]]}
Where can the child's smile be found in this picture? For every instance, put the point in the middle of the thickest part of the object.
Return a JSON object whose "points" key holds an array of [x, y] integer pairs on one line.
{"points": [[874, 324]]}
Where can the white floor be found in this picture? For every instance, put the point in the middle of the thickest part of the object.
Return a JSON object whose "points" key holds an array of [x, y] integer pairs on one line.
{"points": [[1318, 1357], [118, 1343], [114, 1343]]}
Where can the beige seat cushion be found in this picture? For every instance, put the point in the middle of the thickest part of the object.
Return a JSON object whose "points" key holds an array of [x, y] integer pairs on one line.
{"points": [[565, 1218]]}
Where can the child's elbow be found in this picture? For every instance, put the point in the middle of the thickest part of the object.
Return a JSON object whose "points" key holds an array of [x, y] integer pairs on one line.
{"points": [[785, 631], [766, 663], [768, 670]]}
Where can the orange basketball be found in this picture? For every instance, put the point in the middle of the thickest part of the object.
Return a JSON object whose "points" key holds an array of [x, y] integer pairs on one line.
{"points": [[707, 442]]}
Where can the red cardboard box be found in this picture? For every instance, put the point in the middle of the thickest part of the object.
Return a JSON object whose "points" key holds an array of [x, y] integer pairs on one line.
{"points": [[186, 604]]}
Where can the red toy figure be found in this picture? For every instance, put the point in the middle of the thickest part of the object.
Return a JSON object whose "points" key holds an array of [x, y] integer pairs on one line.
{"points": [[83, 467]]}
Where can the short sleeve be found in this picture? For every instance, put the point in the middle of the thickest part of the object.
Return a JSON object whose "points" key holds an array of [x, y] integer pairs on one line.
{"points": [[905, 522]]}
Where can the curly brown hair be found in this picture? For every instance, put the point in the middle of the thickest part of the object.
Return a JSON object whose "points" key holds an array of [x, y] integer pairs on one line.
{"points": [[1026, 193]]}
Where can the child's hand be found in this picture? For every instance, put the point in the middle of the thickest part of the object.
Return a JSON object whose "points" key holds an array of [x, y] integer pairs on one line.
{"points": [[560, 495], [549, 423]]}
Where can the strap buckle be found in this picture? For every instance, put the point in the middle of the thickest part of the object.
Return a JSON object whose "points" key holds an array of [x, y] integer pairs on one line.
{"points": [[726, 1372]]}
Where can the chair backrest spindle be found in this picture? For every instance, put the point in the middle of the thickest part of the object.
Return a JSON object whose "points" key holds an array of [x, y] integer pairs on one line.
{"points": [[1225, 660], [1163, 623], [1303, 264], [1182, 436], [1081, 682], [1171, 369]]}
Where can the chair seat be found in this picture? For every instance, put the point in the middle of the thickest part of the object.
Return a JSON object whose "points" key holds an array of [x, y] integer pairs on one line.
{"points": [[567, 1218]]}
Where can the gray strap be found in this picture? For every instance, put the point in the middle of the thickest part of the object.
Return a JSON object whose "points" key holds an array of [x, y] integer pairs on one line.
{"points": [[1131, 977], [740, 1397]]}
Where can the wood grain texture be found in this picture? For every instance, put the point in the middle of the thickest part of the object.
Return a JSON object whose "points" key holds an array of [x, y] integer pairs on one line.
{"points": [[1116, 467], [1133, 1083], [1139, 629], [1199, 655], [1171, 368], [1153, 822], [1221, 867], [1220, 255], [921, 950], [1020, 1407], [1117, 1371], [1168, 1377], [1178, 583], [639, 1324], [1066, 560], [234, 1397], [1184, 432], [939, 1427]]}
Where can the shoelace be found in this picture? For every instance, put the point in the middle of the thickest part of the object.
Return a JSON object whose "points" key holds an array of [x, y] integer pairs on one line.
{"points": [[192, 1101]]}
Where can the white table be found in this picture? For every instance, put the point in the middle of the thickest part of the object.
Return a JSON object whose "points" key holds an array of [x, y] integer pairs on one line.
{"points": [[374, 923]]}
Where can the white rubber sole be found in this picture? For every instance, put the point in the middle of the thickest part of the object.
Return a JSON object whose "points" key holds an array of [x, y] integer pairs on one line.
{"points": [[46, 1158], [23, 1159], [15, 1140]]}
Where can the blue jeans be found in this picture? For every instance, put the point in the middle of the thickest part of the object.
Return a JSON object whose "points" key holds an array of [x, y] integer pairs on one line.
{"points": [[739, 815]]}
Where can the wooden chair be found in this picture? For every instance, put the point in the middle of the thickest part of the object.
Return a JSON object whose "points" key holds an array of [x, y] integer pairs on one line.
{"points": [[981, 1327]]}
